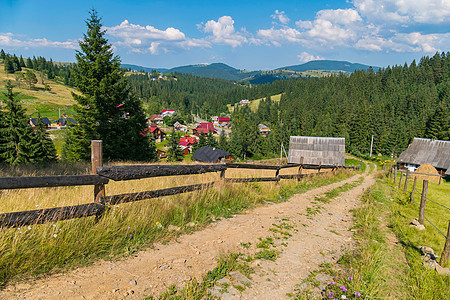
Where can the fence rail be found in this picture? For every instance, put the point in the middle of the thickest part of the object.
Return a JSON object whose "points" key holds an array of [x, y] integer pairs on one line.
{"points": [[102, 175]]}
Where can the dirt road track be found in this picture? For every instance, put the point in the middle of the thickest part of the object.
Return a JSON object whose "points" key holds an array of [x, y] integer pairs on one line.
{"points": [[319, 239]]}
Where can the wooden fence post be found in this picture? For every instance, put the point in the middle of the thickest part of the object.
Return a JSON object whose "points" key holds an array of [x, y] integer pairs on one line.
{"points": [[97, 161], [320, 166], [445, 256], [222, 174], [423, 200], [400, 180], [300, 168], [395, 175], [413, 189], [360, 164], [405, 188]]}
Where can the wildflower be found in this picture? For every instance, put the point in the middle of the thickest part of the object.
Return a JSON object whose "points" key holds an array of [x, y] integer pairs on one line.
{"points": [[29, 227], [18, 228], [131, 236], [129, 227], [343, 297], [357, 294], [54, 225], [159, 225], [331, 283], [350, 278], [330, 295], [281, 197], [37, 205], [55, 235], [343, 288]]}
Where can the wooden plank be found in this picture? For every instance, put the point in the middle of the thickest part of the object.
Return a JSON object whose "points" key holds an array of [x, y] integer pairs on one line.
{"points": [[50, 181], [290, 166], [255, 179], [254, 167], [40, 216], [119, 173], [294, 176], [97, 161], [130, 197]]}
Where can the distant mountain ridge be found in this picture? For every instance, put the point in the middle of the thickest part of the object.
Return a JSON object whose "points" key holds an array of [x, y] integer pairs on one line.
{"points": [[224, 71]]}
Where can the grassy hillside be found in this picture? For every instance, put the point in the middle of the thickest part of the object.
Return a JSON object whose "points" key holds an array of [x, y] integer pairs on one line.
{"points": [[37, 99], [255, 103]]}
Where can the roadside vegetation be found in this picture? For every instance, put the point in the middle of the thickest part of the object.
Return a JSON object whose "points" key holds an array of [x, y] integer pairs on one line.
{"points": [[385, 261]]}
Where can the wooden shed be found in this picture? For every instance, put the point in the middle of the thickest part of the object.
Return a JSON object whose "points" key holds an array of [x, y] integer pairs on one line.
{"points": [[317, 150], [422, 151]]}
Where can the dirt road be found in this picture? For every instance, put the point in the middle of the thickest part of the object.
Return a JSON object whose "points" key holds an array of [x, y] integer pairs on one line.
{"points": [[318, 233]]}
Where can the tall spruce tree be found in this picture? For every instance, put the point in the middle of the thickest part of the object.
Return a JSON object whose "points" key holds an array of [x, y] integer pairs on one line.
{"points": [[105, 107], [45, 149], [19, 140], [174, 153], [3, 132]]}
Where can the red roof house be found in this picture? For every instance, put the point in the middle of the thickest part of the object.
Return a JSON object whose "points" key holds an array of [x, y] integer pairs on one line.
{"points": [[204, 128], [187, 141]]}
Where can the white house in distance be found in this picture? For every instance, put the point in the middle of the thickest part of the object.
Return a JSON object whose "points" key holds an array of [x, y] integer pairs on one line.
{"points": [[167, 113]]}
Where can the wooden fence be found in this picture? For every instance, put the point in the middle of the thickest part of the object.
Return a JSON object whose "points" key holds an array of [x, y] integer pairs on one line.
{"points": [[102, 174], [445, 256]]}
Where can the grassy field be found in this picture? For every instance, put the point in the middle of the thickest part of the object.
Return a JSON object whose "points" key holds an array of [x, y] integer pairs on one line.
{"points": [[37, 99], [255, 103], [125, 228]]}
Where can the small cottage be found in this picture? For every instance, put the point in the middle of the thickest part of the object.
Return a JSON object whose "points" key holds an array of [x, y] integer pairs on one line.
{"points": [[66, 122], [34, 122], [158, 134], [264, 130], [212, 155], [204, 128], [223, 121], [157, 119], [180, 127]]}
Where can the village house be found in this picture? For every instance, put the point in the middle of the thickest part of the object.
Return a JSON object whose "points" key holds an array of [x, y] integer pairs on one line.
{"points": [[158, 134], [214, 119], [212, 155], [161, 153], [188, 142], [167, 113], [223, 121], [422, 151], [66, 122], [180, 127], [34, 122], [157, 119], [244, 102], [204, 128], [264, 130]]}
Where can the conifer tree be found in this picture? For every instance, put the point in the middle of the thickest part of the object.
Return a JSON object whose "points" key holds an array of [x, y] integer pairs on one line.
{"points": [[16, 64], [223, 144], [20, 142], [3, 132], [210, 140], [106, 109], [2, 55], [200, 143], [174, 153], [45, 149], [8, 65], [21, 62]]}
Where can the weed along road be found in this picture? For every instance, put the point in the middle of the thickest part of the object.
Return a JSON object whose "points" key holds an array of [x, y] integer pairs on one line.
{"points": [[279, 243]]}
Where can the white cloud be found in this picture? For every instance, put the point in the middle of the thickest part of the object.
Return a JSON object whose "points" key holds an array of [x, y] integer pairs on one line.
{"points": [[148, 39], [278, 36], [11, 40], [223, 32], [280, 16], [402, 11], [305, 57]]}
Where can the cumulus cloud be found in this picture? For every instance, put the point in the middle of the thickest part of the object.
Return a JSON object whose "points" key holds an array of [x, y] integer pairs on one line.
{"points": [[12, 40], [148, 39], [223, 32], [401, 11], [305, 57], [280, 16]]}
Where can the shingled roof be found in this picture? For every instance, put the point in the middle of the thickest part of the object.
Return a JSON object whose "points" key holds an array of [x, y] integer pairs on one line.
{"points": [[422, 151], [317, 150], [208, 154]]}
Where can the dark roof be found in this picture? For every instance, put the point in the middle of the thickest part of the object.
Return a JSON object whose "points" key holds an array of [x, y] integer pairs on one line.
{"points": [[208, 154], [422, 151], [317, 150], [44, 121], [65, 121]]}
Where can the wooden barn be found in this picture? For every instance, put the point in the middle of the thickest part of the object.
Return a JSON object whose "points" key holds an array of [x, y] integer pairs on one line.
{"points": [[422, 151], [317, 150], [212, 155]]}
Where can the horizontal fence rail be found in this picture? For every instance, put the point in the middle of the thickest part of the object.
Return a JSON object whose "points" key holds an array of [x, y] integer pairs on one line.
{"points": [[132, 172], [130, 197], [40, 216], [50, 181], [119, 173]]}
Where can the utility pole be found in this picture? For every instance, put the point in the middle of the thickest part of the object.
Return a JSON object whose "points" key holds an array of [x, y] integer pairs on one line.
{"points": [[371, 146]]}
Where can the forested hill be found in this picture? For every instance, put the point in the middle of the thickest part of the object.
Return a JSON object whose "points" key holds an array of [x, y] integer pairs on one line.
{"points": [[329, 65]]}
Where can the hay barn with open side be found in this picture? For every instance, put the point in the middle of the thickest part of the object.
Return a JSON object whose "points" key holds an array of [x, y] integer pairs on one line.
{"points": [[317, 150], [422, 151]]}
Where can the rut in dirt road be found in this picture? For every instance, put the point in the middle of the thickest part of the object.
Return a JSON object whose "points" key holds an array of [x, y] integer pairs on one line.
{"points": [[319, 233]]}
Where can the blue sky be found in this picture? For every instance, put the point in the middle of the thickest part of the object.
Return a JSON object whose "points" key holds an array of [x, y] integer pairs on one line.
{"points": [[244, 34]]}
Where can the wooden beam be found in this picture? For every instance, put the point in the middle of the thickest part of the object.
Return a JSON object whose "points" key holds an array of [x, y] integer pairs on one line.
{"points": [[249, 166], [294, 176], [50, 181], [40, 216], [97, 161], [255, 179], [130, 197], [119, 173]]}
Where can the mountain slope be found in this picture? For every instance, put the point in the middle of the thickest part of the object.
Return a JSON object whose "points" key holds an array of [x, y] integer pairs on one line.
{"points": [[140, 68], [328, 65], [215, 70]]}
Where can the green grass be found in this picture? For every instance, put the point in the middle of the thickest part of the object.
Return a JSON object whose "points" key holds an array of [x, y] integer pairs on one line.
{"points": [[127, 228]]}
